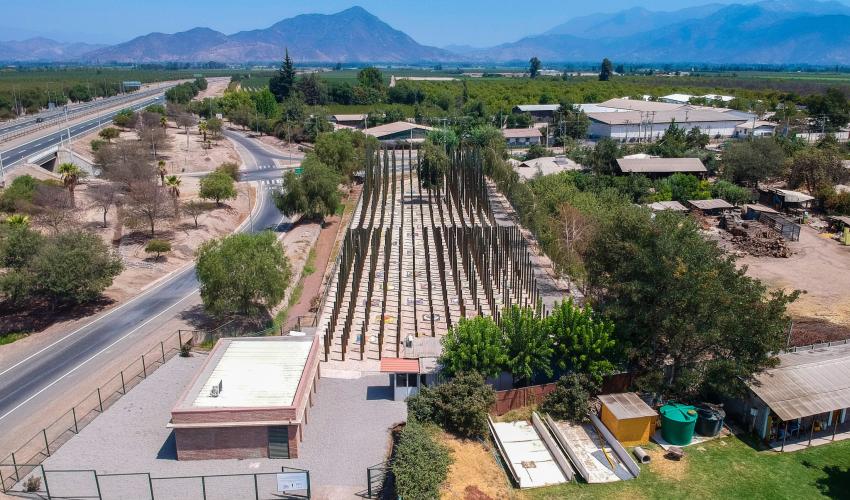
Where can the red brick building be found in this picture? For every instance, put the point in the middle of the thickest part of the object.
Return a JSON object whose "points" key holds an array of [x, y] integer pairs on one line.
{"points": [[249, 400]]}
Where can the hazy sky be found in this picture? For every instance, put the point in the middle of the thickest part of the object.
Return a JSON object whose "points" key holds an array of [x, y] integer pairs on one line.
{"points": [[432, 22]]}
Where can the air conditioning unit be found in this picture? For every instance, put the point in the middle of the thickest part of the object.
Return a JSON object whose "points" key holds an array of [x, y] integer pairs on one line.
{"points": [[408, 342]]}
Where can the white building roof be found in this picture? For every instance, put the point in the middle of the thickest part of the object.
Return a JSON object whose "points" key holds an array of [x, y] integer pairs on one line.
{"points": [[527, 108], [680, 115], [660, 165], [639, 105], [256, 373], [349, 118], [682, 98]]}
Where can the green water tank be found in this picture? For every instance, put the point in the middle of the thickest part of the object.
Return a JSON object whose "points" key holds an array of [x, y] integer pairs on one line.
{"points": [[677, 423]]}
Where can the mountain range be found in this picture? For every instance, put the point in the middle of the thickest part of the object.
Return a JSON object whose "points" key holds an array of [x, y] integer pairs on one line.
{"points": [[767, 32]]}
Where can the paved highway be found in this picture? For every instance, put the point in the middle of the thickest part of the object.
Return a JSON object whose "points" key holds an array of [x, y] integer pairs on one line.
{"points": [[73, 110], [16, 154], [27, 387]]}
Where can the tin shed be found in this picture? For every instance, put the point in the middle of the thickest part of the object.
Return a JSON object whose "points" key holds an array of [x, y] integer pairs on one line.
{"points": [[628, 418]]}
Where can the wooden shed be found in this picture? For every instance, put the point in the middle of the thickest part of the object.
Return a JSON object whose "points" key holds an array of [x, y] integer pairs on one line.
{"points": [[628, 418]]}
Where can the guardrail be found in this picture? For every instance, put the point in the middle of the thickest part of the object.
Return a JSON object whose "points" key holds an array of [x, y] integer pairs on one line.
{"points": [[58, 117]]}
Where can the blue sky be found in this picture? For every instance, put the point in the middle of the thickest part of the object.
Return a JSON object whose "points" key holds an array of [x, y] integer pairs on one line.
{"points": [[432, 22]]}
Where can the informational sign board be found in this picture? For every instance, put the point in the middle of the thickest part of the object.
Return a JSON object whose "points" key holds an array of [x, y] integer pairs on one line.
{"points": [[292, 481]]}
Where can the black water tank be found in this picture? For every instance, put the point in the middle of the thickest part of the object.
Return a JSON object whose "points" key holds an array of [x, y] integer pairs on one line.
{"points": [[710, 420]]}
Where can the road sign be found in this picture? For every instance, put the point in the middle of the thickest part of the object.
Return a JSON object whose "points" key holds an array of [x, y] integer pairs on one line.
{"points": [[292, 481]]}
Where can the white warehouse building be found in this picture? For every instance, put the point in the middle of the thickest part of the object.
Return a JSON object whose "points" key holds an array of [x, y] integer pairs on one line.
{"points": [[634, 126]]}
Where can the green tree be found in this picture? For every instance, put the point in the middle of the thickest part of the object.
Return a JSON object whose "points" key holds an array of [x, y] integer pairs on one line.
{"points": [[475, 344], [157, 247], [529, 347], [534, 67], [606, 70], [570, 401], [124, 118], [459, 406], [603, 158], [217, 186], [313, 89], [583, 343], [679, 301], [109, 133], [242, 273], [371, 78], [18, 243], [751, 162], [420, 463], [816, 168], [695, 139], [71, 175], [832, 107], [265, 103], [70, 268], [732, 193], [434, 165], [282, 84], [673, 143], [314, 194], [444, 137]]}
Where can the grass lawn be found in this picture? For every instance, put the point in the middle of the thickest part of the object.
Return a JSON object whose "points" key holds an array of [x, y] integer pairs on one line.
{"points": [[728, 468]]}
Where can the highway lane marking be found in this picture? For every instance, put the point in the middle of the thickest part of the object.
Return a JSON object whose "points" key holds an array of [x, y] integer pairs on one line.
{"points": [[96, 355], [261, 201]]}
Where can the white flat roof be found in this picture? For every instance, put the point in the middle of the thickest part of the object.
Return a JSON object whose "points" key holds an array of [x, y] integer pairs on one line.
{"points": [[255, 375]]}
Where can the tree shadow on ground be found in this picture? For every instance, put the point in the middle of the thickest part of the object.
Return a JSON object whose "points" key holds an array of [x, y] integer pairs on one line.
{"points": [[37, 315], [836, 481]]}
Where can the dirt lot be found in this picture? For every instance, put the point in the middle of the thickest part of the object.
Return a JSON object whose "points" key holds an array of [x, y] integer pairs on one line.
{"points": [[215, 87], [177, 159], [820, 267]]}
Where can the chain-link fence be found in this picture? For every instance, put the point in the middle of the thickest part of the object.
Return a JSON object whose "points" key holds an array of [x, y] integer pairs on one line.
{"points": [[26, 459], [289, 483]]}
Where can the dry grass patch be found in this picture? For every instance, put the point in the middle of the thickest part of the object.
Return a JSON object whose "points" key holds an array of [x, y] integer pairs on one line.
{"points": [[474, 473]]}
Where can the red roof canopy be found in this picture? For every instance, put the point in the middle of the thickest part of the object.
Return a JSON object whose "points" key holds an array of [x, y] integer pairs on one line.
{"points": [[399, 365]]}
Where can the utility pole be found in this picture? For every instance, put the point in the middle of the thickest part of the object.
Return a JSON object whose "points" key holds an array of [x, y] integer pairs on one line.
{"points": [[2, 171]]}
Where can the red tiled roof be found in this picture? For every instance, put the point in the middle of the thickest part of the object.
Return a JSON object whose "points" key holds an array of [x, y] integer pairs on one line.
{"points": [[399, 365]]}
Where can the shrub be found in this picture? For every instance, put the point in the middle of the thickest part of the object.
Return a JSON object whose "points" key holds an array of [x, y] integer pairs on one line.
{"points": [[157, 247], [21, 190], [420, 464], [570, 400], [96, 144], [460, 406]]}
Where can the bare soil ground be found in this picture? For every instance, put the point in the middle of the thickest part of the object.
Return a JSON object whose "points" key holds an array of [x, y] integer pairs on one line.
{"points": [[215, 87], [821, 269], [199, 158], [141, 269], [474, 474]]}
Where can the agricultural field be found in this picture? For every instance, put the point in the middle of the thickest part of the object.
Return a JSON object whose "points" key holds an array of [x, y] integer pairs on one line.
{"points": [[31, 89]]}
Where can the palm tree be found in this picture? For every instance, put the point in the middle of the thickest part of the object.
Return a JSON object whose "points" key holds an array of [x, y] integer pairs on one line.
{"points": [[202, 128], [172, 182], [71, 175], [17, 220], [161, 169], [164, 122]]}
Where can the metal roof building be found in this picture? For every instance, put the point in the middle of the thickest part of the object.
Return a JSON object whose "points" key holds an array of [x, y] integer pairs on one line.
{"points": [[807, 394]]}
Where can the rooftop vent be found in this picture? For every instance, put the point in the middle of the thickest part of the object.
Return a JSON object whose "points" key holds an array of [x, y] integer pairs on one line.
{"points": [[216, 390]]}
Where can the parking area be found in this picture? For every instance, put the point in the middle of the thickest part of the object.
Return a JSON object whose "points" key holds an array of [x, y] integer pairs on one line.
{"points": [[347, 431]]}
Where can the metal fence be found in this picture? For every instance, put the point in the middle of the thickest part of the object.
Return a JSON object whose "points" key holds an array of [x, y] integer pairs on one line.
{"points": [[289, 483], [21, 462], [379, 481]]}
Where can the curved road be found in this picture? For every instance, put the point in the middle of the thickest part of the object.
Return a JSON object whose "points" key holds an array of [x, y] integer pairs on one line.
{"points": [[29, 386]]}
